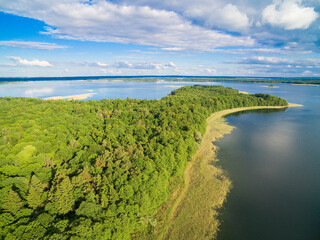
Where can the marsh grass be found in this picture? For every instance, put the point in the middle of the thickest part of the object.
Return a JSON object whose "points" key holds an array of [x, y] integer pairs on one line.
{"points": [[192, 210]]}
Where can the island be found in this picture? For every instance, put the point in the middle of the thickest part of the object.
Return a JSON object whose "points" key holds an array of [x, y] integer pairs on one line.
{"points": [[116, 169]]}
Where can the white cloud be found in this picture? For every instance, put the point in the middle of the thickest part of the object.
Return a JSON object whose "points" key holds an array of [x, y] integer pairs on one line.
{"points": [[285, 51], [171, 64], [289, 14], [211, 70], [34, 45], [174, 49], [139, 65], [275, 66], [245, 17], [33, 62], [212, 13], [108, 22], [280, 62], [264, 60], [102, 64], [130, 65], [228, 17]]}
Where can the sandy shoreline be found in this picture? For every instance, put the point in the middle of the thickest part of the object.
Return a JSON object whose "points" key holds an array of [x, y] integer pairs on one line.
{"points": [[294, 105], [72, 97], [305, 84], [194, 213]]}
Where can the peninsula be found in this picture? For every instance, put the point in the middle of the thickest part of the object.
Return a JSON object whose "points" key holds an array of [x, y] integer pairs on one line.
{"points": [[106, 169]]}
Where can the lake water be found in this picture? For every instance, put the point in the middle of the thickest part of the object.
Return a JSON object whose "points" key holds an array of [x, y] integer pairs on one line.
{"points": [[272, 158]]}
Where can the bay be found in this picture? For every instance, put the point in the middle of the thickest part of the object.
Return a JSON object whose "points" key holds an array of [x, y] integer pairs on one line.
{"points": [[273, 160]]}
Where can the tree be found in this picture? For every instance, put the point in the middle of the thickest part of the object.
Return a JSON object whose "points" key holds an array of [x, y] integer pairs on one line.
{"points": [[62, 196], [12, 202], [34, 197]]}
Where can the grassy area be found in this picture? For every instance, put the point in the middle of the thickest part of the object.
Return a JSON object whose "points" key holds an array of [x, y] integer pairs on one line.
{"points": [[192, 211]]}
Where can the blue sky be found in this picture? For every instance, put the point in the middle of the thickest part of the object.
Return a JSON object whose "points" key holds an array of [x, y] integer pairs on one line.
{"points": [[276, 38]]}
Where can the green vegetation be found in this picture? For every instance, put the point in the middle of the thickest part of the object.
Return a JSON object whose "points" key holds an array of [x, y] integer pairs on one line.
{"points": [[100, 169]]}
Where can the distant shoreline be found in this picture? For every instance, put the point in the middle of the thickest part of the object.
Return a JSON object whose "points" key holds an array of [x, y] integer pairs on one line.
{"points": [[175, 78], [194, 214]]}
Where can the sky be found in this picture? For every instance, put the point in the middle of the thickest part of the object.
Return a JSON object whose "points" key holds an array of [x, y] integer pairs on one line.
{"points": [[266, 38]]}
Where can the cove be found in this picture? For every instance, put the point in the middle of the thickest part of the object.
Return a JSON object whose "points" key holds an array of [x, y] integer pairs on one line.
{"points": [[272, 159]]}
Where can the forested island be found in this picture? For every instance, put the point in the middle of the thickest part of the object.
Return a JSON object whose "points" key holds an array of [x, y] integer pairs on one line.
{"points": [[101, 169]]}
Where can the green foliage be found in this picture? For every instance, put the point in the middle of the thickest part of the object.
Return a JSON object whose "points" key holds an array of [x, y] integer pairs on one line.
{"points": [[12, 202], [61, 194], [99, 169], [34, 197]]}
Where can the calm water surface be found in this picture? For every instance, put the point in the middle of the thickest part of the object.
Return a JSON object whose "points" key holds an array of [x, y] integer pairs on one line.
{"points": [[273, 159]]}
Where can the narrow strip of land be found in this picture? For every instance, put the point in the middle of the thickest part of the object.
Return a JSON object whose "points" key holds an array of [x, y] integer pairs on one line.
{"points": [[194, 213], [72, 97]]}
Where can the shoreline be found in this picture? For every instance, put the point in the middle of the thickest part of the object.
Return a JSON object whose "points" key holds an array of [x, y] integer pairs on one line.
{"points": [[194, 213], [72, 97]]}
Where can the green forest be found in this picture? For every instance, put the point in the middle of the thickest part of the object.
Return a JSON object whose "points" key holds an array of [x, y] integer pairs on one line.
{"points": [[99, 169]]}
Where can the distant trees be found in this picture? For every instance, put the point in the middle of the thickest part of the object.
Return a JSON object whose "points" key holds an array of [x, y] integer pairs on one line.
{"points": [[99, 169]]}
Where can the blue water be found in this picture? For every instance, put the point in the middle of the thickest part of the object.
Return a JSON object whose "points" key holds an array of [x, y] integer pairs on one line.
{"points": [[273, 159], [103, 89], [122, 89]]}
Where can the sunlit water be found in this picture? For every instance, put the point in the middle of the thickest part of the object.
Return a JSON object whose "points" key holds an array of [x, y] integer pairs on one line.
{"points": [[273, 159]]}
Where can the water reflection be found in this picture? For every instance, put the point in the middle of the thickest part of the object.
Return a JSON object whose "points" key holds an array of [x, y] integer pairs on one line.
{"points": [[273, 160], [257, 111]]}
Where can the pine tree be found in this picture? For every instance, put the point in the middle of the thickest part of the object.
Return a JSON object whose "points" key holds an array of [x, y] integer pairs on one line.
{"points": [[63, 196], [35, 192], [12, 202]]}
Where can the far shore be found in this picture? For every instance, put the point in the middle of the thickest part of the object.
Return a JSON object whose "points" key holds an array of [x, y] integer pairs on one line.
{"points": [[194, 213], [72, 97], [305, 84]]}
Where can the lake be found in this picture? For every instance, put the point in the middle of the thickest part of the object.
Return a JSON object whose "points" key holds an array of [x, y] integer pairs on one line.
{"points": [[272, 158]]}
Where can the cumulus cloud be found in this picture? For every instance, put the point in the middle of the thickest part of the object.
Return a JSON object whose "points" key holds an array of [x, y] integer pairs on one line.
{"points": [[131, 65], [275, 66], [229, 17], [289, 14], [264, 60], [34, 45], [280, 62], [246, 17], [33, 62], [212, 13], [171, 64], [211, 70], [100, 64], [105, 21], [147, 65]]}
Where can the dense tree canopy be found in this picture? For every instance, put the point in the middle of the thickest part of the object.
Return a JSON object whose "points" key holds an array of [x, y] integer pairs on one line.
{"points": [[99, 169]]}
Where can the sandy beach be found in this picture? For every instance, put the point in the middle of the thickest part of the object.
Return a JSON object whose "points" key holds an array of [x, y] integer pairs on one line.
{"points": [[72, 97]]}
